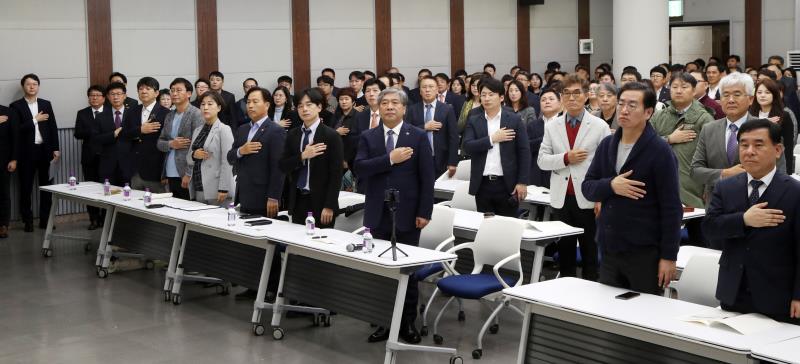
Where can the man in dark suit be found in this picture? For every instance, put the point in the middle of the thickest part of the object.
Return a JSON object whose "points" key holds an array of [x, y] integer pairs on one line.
{"points": [[241, 105], [313, 161], [760, 264], [114, 151], [9, 135], [658, 75], [119, 77], [357, 79], [439, 122], [85, 122], [397, 156], [501, 155], [370, 117], [37, 148], [414, 95], [140, 129], [228, 116], [447, 96], [256, 151]]}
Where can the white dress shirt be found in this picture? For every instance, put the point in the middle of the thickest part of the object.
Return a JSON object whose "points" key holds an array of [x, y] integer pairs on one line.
{"points": [[493, 165], [37, 136], [146, 111], [766, 179]]}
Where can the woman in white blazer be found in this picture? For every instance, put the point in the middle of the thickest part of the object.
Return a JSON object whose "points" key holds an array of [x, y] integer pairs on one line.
{"points": [[209, 170]]}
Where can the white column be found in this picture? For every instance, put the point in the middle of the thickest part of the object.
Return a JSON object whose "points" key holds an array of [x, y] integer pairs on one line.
{"points": [[641, 35]]}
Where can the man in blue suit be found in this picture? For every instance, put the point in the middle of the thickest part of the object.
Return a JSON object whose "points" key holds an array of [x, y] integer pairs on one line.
{"points": [[757, 216], [501, 156], [397, 155], [440, 124]]}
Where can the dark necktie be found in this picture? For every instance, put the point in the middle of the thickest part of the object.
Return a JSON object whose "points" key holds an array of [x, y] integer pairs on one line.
{"points": [[732, 146], [429, 117], [96, 113], [389, 141], [573, 122], [302, 177], [753, 198], [117, 119]]}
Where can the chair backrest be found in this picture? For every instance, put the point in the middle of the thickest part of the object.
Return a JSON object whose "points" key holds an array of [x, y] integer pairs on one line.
{"points": [[497, 238], [354, 221], [698, 282], [439, 229], [462, 170], [462, 199]]}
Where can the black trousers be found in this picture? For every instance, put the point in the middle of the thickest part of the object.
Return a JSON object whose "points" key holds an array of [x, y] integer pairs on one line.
{"points": [[573, 215], [37, 166], [384, 231], [180, 192], [744, 304], [5, 194], [494, 197], [635, 269], [91, 173], [696, 238], [302, 205]]}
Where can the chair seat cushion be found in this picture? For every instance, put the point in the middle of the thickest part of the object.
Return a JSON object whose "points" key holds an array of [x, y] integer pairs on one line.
{"points": [[428, 270], [472, 286]]}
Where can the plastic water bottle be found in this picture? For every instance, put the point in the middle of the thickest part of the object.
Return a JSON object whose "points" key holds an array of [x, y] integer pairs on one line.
{"points": [[310, 224], [72, 180], [231, 215], [148, 197], [368, 244], [106, 188], [126, 192]]}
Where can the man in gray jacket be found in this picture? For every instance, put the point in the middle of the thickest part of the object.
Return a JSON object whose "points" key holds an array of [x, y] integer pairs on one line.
{"points": [[176, 136]]}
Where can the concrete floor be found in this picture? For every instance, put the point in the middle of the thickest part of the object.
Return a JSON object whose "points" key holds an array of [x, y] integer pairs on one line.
{"points": [[56, 310]]}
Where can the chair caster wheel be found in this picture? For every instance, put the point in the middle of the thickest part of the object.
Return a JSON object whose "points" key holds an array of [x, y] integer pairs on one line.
{"points": [[456, 359], [277, 333], [461, 316], [423, 331], [438, 339], [258, 329], [149, 265], [326, 322], [477, 353], [47, 252], [494, 329], [223, 290], [102, 273], [176, 299], [421, 308], [167, 296]]}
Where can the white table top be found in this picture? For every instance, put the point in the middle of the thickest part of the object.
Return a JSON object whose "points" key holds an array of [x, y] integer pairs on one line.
{"points": [[92, 191], [697, 213], [686, 252], [649, 312], [471, 220], [787, 351]]}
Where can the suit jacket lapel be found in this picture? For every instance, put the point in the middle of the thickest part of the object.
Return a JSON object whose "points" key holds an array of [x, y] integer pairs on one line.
{"points": [[264, 126], [586, 124], [776, 188], [561, 127]]}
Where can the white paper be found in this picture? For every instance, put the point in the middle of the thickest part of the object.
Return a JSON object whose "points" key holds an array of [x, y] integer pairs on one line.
{"points": [[746, 324]]}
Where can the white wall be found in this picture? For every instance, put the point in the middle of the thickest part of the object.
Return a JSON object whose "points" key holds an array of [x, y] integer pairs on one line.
{"points": [[255, 40], [154, 38], [554, 35], [490, 34], [777, 32], [711, 10], [48, 38], [690, 43], [342, 36], [420, 37], [601, 29]]}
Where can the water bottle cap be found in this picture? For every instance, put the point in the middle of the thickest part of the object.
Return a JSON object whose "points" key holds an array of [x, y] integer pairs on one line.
{"points": [[310, 213], [106, 180], [127, 185], [230, 205], [366, 230], [147, 190]]}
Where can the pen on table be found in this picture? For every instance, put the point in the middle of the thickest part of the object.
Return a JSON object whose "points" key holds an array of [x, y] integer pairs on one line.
{"points": [[319, 237]]}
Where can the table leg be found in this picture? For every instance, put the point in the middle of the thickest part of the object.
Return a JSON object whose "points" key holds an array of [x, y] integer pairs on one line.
{"points": [[547, 211], [538, 261], [259, 305], [178, 276], [108, 251], [101, 247], [46, 250], [523, 341], [180, 231], [397, 315]]}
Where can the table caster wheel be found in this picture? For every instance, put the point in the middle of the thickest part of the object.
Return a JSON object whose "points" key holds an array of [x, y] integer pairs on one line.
{"points": [[423, 331], [461, 316], [47, 252], [102, 273], [438, 339], [494, 329], [258, 329], [277, 333], [421, 308], [176, 299], [327, 321], [167, 296], [456, 359], [477, 353], [149, 265]]}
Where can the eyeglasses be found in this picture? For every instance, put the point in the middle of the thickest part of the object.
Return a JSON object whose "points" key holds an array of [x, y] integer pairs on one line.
{"points": [[631, 106], [116, 94], [568, 94], [735, 95]]}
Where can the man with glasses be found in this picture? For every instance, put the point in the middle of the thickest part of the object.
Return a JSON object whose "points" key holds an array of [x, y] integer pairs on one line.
{"points": [[176, 136], [242, 103], [498, 143], [115, 151], [568, 163], [701, 95], [714, 74], [634, 175], [85, 122], [658, 75]]}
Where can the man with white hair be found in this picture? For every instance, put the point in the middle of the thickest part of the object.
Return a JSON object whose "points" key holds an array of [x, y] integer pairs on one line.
{"points": [[717, 153]]}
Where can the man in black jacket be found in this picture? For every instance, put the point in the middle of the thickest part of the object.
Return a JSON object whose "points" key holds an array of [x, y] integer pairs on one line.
{"points": [[85, 122], [9, 129], [313, 161], [141, 129], [37, 148], [228, 115]]}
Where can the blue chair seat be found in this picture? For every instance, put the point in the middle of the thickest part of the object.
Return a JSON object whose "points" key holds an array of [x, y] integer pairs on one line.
{"points": [[428, 270], [472, 286]]}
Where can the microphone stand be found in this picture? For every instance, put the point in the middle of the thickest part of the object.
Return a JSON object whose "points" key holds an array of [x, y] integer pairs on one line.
{"points": [[391, 200]]}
